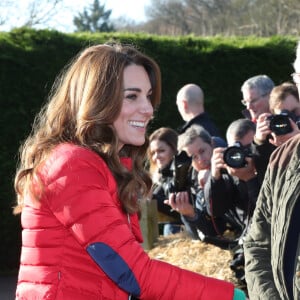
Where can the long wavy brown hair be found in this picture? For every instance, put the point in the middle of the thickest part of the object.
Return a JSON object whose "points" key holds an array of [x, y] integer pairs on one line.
{"points": [[85, 100], [164, 134]]}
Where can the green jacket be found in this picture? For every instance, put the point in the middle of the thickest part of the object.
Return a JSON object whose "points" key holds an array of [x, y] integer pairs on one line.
{"points": [[265, 242]]}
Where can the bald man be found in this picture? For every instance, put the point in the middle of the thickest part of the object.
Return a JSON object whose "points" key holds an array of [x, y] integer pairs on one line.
{"points": [[190, 104]]}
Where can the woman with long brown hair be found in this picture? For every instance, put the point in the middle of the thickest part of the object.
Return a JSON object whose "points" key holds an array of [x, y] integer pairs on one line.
{"points": [[78, 184], [161, 151]]}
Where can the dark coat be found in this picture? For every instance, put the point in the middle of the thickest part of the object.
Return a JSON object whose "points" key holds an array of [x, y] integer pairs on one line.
{"points": [[203, 120]]}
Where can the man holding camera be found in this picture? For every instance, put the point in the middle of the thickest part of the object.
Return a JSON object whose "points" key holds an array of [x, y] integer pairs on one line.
{"points": [[233, 185], [256, 93], [272, 130], [197, 143], [285, 97], [284, 120], [271, 109]]}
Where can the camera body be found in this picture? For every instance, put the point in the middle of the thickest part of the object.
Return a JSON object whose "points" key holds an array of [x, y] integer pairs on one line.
{"points": [[181, 172], [179, 175], [280, 124], [235, 156]]}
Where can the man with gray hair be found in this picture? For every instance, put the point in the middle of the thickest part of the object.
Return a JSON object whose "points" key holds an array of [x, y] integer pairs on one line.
{"points": [[256, 93]]}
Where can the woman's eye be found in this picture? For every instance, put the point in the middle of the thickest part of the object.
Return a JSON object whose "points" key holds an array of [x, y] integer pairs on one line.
{"points": [[131, 96]]}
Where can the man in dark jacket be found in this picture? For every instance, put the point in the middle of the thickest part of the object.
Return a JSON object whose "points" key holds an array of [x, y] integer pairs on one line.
{"points": [[197, 142], [256, 93], [190, 104], [233, 186]]}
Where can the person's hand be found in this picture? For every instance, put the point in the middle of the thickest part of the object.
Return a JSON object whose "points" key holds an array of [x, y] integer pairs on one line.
{"points": [[246, 173], [262, 128], [217, 162], [180, 202], [278, 140]]}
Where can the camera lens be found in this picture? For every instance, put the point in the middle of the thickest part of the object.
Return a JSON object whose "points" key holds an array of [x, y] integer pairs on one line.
{"points": [[280, 124], [235, 157]]}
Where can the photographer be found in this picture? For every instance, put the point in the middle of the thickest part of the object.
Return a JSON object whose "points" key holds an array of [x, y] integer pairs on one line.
{"points": [[235, 170], [285, 108], [233, 185], [256, 93], [191, 204], [277, 126]]}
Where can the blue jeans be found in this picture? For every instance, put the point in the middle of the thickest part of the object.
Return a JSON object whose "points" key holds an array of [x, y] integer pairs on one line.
{"points": [[171, 228]]}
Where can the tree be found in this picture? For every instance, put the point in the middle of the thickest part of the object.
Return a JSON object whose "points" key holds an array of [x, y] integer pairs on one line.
{"points": [[34, 13], [40, 13], [167, 17], [3, 16], [94, 19], [224, 17]]}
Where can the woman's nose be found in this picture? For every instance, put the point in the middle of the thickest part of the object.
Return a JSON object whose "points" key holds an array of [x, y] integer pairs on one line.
{"points": [[147, 107]]}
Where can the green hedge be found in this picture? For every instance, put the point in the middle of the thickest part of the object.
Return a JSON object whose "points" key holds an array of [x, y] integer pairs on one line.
{"points": [[30, 60]]}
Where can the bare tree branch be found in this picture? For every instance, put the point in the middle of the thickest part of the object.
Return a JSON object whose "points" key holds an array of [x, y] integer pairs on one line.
{"points": [[4, 11], [41, 12]]}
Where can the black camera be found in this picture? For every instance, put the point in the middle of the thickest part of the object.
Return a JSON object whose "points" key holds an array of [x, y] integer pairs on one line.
{"points": [[179, 177], [235, 156], [280, 124], [181, 169]]}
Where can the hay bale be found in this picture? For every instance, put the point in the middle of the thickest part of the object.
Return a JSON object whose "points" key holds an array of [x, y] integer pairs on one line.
{"points": [[194, 255]]}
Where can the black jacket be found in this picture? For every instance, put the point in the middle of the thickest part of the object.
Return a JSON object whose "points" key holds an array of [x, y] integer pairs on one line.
{"points": [[203, 120], [211, 228], [229, 194], [161, 192]]}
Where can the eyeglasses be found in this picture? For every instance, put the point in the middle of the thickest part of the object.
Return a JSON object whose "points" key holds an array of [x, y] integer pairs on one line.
{"points": [[253, 101], [296, 78]]}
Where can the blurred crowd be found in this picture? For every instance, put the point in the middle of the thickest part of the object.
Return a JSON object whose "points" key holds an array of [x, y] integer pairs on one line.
{"points": [[208, 185]]}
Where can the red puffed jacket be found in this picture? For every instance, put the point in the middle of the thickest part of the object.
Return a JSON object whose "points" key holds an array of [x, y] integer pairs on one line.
{"points": [[78, 244]]}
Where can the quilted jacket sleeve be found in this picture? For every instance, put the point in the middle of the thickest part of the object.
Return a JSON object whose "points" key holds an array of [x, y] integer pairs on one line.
{"points": [[82, 195], [260, 281]]}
